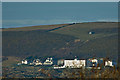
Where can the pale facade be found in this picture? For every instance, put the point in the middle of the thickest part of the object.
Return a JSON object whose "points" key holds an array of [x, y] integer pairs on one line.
{"points": [[24, 62], [74, 63], [48, 61], [37, 62], [108, 63]]}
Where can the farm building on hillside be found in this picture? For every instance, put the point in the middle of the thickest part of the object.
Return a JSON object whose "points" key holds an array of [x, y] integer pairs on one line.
{"points": [[91, 32]]}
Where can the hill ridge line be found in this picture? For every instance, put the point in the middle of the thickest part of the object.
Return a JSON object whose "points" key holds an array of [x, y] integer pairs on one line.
{"points": [[59, 27]]}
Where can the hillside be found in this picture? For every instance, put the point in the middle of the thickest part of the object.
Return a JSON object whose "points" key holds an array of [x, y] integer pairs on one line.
{"points": [[25, 43], [80, 30], [62, 41]]}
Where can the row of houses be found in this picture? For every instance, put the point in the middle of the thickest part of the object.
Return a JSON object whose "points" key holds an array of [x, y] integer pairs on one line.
{"points": [[89, 63], [74, 63], [48, 61]]}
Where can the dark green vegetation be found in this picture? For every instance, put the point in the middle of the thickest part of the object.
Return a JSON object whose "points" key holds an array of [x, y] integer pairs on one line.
{"points": [[64, 42]]}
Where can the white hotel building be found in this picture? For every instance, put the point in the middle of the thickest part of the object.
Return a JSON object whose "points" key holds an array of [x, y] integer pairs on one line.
{"points": [[73, 64]]}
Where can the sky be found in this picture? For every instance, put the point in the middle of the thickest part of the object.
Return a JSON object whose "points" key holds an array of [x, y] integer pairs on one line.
{"points": [[20, 14]]}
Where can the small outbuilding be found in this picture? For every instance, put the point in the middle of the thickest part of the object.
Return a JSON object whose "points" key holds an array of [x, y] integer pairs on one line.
{"points": [[91, 32]]}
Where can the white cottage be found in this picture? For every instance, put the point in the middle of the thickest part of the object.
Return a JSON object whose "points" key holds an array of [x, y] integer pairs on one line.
{"points": [[48, 61], [108, 63], [37, 62], [24, 62]]}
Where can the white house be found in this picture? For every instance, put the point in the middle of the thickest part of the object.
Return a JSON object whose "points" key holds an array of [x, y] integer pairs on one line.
{"points": [[48, 61], [94, 61], [24, 62], [37, 62], [108, 63]]}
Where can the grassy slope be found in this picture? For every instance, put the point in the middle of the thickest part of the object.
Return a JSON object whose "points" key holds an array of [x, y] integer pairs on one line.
{"points": [[60, 43], [81, 30], [24, 43], [104, 43], [103, 47]]}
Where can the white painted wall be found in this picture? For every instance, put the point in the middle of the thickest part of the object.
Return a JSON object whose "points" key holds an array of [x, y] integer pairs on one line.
{"points": [[74, 63], [108, 63], [24, 62]]}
